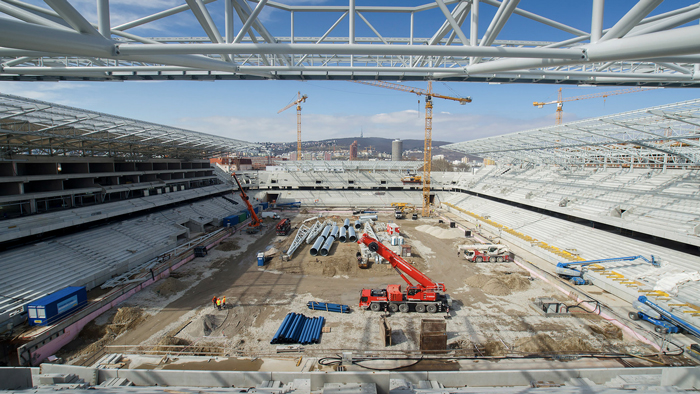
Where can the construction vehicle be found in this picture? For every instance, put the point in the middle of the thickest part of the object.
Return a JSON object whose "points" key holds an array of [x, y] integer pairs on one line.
{"points": [[425, 296], [411, 179], [428, 143], [255, 221], [283, 227], [664, 321], [574, 271], [300, 99], [494, 253]]}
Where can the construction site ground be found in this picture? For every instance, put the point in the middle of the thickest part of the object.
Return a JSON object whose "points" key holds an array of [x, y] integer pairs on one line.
{"points": [[491, 314]]}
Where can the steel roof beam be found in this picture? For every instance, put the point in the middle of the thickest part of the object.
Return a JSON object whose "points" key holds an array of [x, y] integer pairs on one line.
{"points": [[72, 17]]}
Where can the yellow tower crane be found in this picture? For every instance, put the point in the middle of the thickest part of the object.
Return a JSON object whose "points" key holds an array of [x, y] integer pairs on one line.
{"points": [[300, 99], [428, 150], [560, 101]]}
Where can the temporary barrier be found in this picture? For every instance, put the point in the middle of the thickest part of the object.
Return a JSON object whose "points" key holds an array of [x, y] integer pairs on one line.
{"points": [[328, 307]]}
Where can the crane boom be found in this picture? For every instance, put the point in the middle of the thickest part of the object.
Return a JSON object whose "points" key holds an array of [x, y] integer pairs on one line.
{"points": [[400, 265], [428, 149], [255, 221], [560, 101], [300, 99]]}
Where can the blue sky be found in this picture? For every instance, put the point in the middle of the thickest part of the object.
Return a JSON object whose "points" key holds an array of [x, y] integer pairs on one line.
{"points": [[247, 110]]}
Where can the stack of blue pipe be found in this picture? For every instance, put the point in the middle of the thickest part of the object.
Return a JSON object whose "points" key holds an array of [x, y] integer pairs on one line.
{"points": [[323, 306], [297, 328]]}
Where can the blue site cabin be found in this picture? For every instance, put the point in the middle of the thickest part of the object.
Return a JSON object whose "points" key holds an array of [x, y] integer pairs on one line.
{"points": [[55, 306]]}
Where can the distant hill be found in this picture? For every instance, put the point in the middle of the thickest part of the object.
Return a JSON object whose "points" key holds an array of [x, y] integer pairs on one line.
{"points": [[381, 144], [384, 145]]}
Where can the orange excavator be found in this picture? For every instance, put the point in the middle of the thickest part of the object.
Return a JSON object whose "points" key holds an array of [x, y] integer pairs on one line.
{"points": [[424, 296], [255, 222]]}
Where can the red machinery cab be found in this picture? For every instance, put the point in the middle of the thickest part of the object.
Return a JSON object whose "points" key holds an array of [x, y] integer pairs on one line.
{"points": [[283, 227]]}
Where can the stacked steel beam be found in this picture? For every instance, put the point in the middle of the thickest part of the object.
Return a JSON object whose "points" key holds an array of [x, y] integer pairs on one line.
{"points": [[297, 328]]}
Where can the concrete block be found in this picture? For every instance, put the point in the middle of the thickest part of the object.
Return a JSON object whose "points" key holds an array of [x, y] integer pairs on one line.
{"points": [[15, 378]]}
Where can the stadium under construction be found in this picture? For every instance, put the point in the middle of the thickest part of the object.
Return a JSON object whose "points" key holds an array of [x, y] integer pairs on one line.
{"points": [[135, 259]]}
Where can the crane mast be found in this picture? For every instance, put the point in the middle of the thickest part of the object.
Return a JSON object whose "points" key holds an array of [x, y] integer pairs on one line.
{"points": [[300, 99], [428, 144]]}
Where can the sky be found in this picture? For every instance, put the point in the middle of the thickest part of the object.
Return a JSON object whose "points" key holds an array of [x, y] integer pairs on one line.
{"points": [[247, 110]]}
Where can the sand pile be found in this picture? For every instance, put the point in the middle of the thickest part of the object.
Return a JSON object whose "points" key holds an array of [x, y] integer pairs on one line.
{"points": [[442, 233], [516, 281], [203, 326], [496, 287], [493, 348], [608, 330], [501, 285], [170, 286], [271, 252], [229, 246], [478, 280], [488, 284], [125, 318], [540, 343]]}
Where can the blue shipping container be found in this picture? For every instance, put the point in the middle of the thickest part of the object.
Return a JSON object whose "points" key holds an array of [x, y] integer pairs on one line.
{"points": [[265, 205], [55, 306], [230, 221]]}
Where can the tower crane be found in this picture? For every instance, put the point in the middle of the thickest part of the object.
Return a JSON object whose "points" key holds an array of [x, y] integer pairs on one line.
{"points": [[560, 101], [300, 99], [428, 150]]}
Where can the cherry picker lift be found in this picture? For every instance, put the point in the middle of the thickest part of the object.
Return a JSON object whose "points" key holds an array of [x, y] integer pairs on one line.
{"points": [[575, 270]]}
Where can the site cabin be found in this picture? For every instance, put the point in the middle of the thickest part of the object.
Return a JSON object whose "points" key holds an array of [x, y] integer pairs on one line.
{"points": [[487, 253], [283, 227]]}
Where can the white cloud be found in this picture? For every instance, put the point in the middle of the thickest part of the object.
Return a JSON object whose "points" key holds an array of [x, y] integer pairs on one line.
{"points": [[55, 92]]}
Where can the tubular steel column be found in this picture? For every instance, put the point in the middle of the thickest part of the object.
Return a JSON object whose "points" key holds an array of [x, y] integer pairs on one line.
{"points": [[428, 150], [597, 20]]}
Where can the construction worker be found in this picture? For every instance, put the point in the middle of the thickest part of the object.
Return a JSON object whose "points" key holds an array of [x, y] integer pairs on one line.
{"points": [[218, 303], [223, 302], [213, 300]]}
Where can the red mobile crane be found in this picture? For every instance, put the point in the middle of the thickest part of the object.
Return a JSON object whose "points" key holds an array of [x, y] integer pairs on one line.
{"points": [[255, 221], [422, 297]]}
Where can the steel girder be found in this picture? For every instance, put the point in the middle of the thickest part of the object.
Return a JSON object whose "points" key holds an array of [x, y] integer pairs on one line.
{"points": [[664, 135], [36, 127], [59, 43]]}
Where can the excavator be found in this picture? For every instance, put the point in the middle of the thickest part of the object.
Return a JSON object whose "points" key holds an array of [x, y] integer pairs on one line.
{"points": [[255, 222], [425, 296]]}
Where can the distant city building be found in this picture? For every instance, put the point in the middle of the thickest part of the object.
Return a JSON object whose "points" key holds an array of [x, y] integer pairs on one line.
{"points": [[292, 156], [353, 151], [439, 157], [326, 155], [396, 150]]}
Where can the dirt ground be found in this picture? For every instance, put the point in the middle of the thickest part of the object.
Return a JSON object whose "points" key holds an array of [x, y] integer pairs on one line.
{"points": [[491, 314]]}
